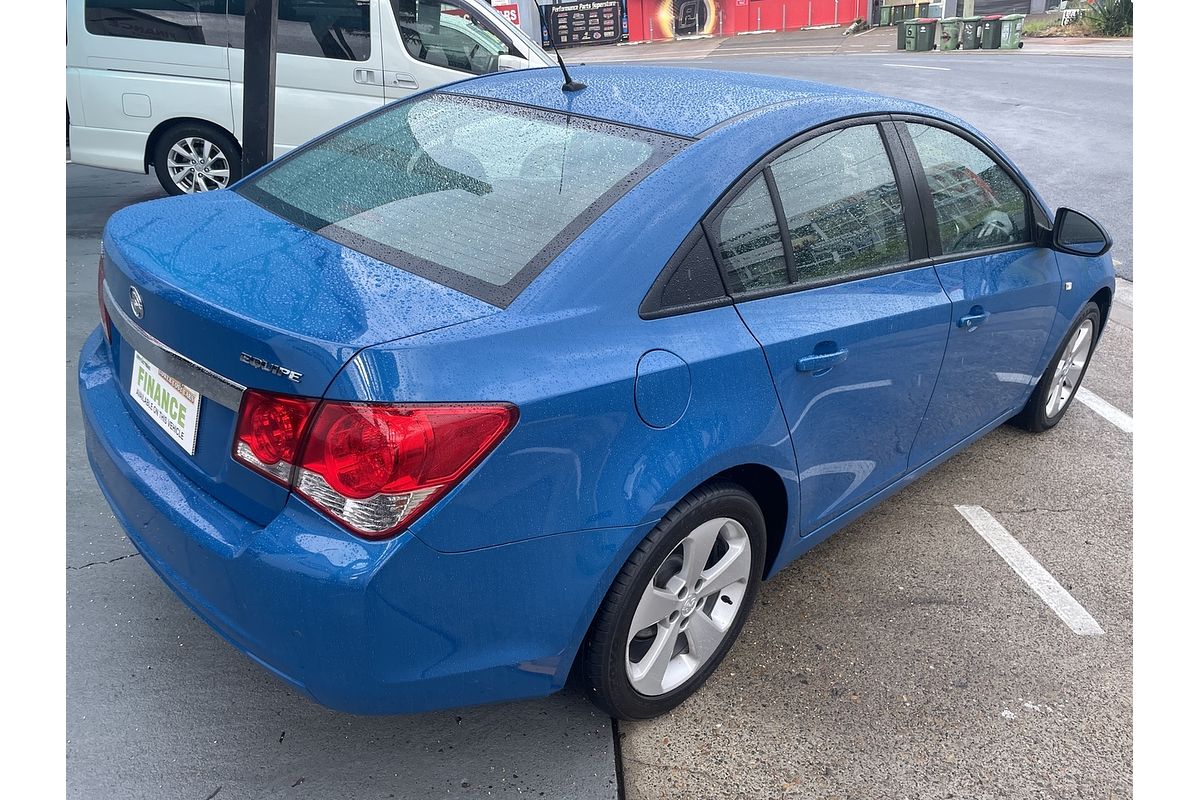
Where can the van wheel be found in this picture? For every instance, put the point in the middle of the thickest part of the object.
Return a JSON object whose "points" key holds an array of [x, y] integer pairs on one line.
{"points": [[677, 605], [194, 157]]}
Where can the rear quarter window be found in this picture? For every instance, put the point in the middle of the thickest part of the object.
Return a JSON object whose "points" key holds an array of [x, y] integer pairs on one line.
{"points": [[475, 194]]}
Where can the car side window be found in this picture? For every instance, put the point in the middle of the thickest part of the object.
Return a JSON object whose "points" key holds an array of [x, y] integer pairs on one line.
{"points": [[446, 34], [842, 205], [978, 205], [748, 239]]}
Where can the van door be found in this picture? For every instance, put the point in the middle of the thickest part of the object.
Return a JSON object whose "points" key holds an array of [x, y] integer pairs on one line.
{"points": [[428, 43], [329, 67]]}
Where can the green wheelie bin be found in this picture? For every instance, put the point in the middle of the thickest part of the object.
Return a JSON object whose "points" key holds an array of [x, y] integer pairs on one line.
{"points": [[901, 33], [910, 34], [1010, 31], [926, 33], [970, 32], [948, 33], [989, 32]]}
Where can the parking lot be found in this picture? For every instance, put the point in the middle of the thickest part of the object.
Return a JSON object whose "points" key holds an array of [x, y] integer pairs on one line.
{"points": [[905, 657]]}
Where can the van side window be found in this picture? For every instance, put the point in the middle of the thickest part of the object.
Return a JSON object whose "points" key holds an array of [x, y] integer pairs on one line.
{"points": [[446, 34], [185, 21], [337, 29]]}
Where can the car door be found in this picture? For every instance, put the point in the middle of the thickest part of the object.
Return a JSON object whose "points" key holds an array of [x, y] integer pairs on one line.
{"points": [[433, 42], [328, 67], [1004, 289], [850, 314]]}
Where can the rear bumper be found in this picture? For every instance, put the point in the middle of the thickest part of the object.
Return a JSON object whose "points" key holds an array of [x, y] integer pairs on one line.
{"points": [[369, 628]]}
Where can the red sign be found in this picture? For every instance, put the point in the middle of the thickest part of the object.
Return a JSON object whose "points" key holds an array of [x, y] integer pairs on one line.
{"points": [[510, 12]]}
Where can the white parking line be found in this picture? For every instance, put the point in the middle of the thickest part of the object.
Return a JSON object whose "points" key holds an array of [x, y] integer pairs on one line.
{"points": [[1042, 582], [1105, 409], [918, 66]]}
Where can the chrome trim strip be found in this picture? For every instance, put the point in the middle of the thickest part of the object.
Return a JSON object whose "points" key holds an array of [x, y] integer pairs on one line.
{"points": [[215, 387]]}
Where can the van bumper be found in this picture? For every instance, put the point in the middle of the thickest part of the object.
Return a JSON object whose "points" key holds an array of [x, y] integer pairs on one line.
{"points": [[108, 148]]}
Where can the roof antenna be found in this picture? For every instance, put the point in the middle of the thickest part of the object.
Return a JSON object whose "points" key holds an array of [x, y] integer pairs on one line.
{"points": [[568, 84]]}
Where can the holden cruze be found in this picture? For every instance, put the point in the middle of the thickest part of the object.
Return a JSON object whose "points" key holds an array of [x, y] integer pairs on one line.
{"points": [[504, 381]]}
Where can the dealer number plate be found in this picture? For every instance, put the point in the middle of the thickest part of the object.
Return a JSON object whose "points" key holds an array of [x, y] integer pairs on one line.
{"points": [[172, 405]]}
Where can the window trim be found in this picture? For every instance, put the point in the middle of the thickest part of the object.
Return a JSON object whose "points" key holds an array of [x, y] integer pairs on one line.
{"points": [[1035, 214], [905, 182], [652, 307]]}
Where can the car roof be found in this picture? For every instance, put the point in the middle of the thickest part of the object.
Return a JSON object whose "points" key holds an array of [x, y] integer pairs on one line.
{"points": [[680, 101]]}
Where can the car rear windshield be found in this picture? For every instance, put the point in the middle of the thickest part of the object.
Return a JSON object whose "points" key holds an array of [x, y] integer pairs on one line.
{"points": [[475, 194]]}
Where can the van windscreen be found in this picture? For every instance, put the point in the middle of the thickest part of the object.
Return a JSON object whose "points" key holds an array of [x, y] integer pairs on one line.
{"points": [[475, 194]]}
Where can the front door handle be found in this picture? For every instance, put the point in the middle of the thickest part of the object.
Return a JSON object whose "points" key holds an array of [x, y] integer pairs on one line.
{"points": [[974, 319], [400, 80], [821, 362]]}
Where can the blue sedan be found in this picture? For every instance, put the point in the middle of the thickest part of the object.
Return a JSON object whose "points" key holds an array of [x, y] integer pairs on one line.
{"points": [[504, 382]]}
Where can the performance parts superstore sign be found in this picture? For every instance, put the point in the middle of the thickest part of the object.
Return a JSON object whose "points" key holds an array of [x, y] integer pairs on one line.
{"points": [[597, 22]]}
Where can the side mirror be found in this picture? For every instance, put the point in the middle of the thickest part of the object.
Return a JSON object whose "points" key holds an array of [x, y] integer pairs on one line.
{"points": [[1079, 234], [507, 62]]}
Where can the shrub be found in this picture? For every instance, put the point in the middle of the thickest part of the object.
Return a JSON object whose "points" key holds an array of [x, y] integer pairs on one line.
{"points": [[1111, 17]]}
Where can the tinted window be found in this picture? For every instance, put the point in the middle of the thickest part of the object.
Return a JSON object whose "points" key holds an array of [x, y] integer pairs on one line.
{"points": [[338, 29], [447, 34], [188, 21], [842, 205], [749, 241], [425, 186], [978, 205]]}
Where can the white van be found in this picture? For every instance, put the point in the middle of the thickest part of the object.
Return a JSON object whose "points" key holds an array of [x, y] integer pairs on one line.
{"points": [[159, 82]]}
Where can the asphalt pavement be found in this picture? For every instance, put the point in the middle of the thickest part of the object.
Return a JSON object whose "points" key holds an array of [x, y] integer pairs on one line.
{"points": [[902, 658]]}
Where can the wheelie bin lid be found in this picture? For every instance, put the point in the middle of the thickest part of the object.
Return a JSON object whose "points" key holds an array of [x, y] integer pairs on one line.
{"points": [[1014, 16], [927, 20], [994, 16]]}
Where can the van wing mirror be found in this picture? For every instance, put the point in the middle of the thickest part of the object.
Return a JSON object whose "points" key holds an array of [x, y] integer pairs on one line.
{"points": [[507, 62], [1079, 234]]}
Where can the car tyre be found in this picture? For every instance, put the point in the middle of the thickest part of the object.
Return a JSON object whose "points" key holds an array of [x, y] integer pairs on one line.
{"points": [[1064, 375], [690, 605], [193, 157]]}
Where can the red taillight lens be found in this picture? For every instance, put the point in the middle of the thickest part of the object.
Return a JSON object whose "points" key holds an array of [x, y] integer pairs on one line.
{"points": [[105, 322], [269, 430], [372, 467]]}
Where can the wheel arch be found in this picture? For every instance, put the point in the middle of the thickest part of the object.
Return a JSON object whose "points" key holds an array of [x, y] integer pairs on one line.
{"points": [[1104, 299], [762, 482], [162, 127]]}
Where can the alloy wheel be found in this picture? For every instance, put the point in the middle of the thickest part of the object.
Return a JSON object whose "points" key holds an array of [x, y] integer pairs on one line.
{"points": [[1070, 369], [688, 607], [195, 164]]}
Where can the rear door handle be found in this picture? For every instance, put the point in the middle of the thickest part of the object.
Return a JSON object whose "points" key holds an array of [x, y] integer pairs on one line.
{"points": [[976, 317], [820, 362], [365, 76]]}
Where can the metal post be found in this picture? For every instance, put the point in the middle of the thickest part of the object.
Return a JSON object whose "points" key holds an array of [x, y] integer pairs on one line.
{"points": [[720, 22], [258, 84], [837, 17], [785, 17], [758, 22], [810, 13], [652, 29]]}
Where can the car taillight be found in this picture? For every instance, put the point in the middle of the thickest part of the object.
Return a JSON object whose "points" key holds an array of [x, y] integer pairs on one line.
{"points": [[372, 467], [105, 322]]}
